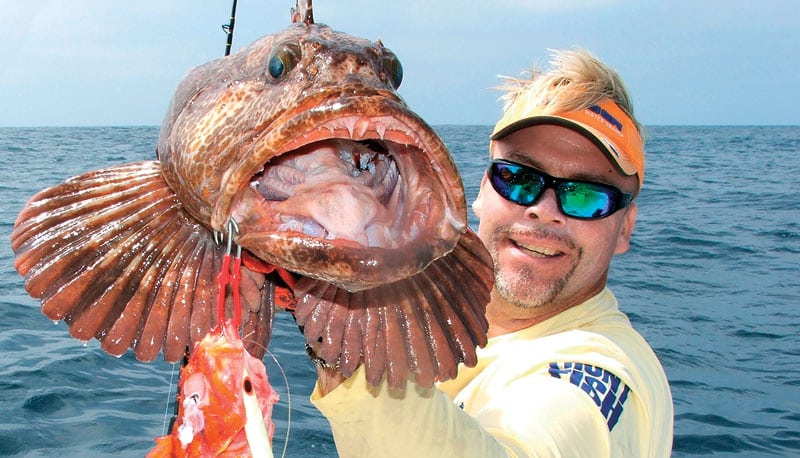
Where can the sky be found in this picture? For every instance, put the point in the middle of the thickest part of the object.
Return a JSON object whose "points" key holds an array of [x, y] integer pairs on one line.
{"points": [[685, 62]]}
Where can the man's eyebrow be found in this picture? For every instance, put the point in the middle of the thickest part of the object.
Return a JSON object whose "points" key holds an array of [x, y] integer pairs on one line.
{"points": [[526, 159], [588, 176], [522, 158]]}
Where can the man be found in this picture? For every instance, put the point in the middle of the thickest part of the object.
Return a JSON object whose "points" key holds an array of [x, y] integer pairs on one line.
{"points": [[564, 373]]}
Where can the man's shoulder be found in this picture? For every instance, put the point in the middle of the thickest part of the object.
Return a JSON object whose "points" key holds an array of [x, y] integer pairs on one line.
{"points": [[603, 351]]}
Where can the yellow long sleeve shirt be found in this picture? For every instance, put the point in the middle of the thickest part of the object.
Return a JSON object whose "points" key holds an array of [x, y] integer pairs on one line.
{"points": [[583, 383]]}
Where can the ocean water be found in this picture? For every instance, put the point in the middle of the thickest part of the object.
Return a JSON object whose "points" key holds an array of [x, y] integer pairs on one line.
{"points": [[712, 281]]}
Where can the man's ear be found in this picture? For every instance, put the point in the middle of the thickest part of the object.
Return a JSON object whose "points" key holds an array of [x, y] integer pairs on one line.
{"points": [[477, 205], [626, 231]]}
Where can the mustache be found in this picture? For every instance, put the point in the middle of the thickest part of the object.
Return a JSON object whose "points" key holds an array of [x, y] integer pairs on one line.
{"points": [[518, 232]]}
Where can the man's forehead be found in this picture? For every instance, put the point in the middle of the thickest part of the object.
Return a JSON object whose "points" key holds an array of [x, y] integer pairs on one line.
{"points": [[561, 152]]}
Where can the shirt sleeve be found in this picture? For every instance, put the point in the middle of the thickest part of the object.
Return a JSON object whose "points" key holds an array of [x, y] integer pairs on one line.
{"points": [[538, 416], [545, 417]]}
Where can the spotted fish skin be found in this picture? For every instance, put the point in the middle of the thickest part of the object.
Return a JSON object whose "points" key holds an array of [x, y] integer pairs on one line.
{"points": [[303, 141]]}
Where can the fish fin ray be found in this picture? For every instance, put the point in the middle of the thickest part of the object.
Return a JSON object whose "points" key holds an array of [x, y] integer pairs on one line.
{"points": [[114, 254], [423, 326]]}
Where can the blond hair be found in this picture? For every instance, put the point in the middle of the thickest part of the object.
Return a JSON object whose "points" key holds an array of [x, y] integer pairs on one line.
{"points": [[575, 80]]}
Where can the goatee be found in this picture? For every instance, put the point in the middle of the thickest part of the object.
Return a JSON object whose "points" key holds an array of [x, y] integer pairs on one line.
{"points": [[522, 286]]}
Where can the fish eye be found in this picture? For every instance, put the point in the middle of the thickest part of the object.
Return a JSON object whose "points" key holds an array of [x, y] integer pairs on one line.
{"points": [[392, 69], [283, 59], [248, 385]]}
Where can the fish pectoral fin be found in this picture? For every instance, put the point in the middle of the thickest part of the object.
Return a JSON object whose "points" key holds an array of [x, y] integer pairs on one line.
{"points": [[114, 254], [423, 326]]}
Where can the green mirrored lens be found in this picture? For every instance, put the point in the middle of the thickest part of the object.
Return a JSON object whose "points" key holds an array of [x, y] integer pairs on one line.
{"points": [[584, 200]]}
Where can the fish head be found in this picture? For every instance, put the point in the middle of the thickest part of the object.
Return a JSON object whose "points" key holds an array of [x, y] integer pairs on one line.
{"points": [[302, 140], [222, 391]]}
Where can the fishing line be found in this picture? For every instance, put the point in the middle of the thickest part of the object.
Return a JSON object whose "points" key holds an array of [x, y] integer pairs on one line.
{"points": [[169, 394], [271, 300], [288, 403], [271, 292]]}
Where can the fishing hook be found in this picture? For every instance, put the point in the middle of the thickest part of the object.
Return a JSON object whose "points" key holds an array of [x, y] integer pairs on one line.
{"points": [[230, 273]]}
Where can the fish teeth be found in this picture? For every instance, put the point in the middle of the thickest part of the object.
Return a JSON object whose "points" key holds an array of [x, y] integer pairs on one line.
{"points": [[350, 125], [361, 126]]}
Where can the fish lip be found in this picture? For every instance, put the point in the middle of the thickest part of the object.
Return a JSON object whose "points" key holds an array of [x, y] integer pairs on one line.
{"points": [[331, 108], [325, 115], [354, 269]]}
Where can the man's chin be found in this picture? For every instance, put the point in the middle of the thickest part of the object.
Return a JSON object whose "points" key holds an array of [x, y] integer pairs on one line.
{"points": [[527, 294]]}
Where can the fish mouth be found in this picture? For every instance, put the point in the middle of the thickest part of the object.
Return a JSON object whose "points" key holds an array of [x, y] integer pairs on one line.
{"points": [[365, 206], [341, 190]]}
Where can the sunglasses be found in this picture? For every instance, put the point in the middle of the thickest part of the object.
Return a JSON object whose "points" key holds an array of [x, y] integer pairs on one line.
{"points": [[524, 185]]}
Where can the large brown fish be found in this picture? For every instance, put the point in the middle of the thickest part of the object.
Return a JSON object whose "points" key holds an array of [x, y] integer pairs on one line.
{"points": [[301, 140]]}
